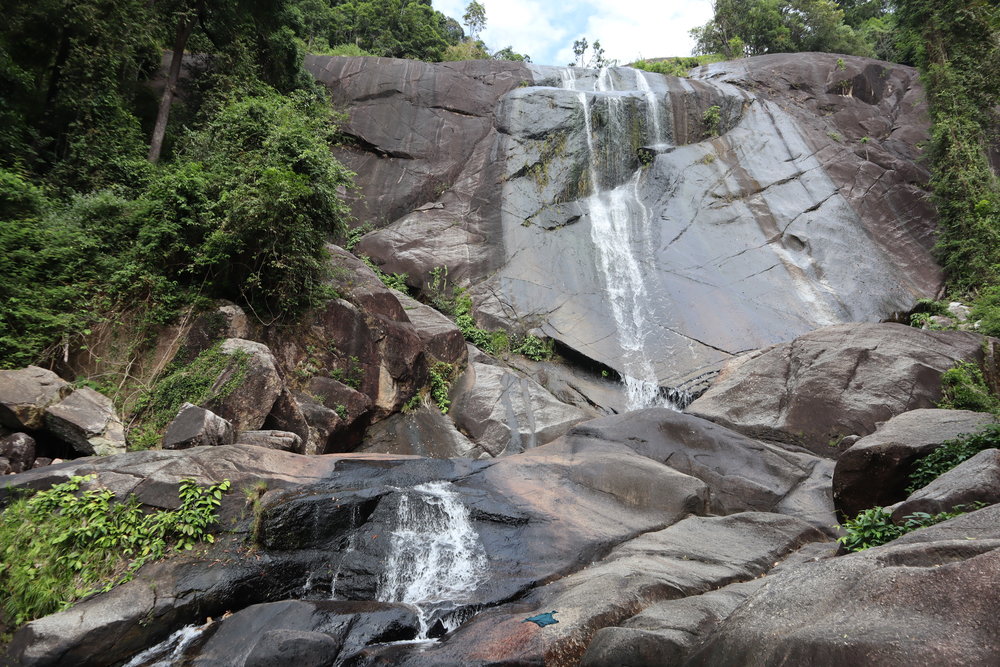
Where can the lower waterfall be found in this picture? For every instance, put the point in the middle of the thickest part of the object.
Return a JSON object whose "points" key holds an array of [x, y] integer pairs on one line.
{"points": [[436, 558]]}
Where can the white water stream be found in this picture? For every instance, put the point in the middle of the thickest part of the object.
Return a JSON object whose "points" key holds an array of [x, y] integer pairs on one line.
{"points": [[436, 557], [170, 651], [619, 227]]}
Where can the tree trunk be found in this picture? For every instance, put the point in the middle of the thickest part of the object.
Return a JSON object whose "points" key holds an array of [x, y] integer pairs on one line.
{"points": [[185, 25]]}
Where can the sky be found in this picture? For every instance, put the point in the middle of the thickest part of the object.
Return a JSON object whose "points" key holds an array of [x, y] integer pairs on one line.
{"points": [[627, 29]]}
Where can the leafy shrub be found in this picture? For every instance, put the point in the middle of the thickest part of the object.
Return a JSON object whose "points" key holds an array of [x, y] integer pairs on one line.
{"points": [[534, 348], [62, 544], [712, 119], [874, 527], [440, 379], [396, 281], [964, 388], [950, 454]]}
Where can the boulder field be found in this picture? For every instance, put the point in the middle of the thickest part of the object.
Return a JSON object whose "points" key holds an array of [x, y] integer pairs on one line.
{"points": [[715, 259]]}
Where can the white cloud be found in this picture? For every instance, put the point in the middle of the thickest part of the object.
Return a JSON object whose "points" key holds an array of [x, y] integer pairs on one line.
{"points": [[630, 29]]}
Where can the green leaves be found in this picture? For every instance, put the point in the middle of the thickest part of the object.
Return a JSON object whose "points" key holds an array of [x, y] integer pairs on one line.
{"points": [[64, 544]]}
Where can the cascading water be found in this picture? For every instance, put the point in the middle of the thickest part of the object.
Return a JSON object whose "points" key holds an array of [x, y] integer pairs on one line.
{"points": [[436, 557], [619, 225]]}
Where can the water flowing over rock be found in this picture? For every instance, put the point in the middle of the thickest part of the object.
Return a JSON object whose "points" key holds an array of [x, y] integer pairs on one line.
{"points": [[653, 224]]}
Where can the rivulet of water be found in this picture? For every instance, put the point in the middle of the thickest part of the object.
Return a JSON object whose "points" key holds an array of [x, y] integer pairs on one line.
{"points": [[436, 557]]}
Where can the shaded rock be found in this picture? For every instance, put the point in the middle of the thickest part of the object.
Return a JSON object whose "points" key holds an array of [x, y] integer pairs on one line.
{"points": [[5, 467], [249, 402], [41, 461], [976, 480], [422, 432], [289, 629], [336, 413], [197, 427], [916, 600], [835, 381], [663, 633], [26, 393], [694, 556], [875, 470], [442, 339], [323, 424], [505, 413], [226, 320], [287, 415], [742, 474], [87, 420], [283, 440], [340, 397], [19, 450]]}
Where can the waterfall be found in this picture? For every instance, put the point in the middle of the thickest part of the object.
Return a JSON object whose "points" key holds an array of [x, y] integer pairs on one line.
{"points": [[436, 557], [619, 227], [168, 652]]}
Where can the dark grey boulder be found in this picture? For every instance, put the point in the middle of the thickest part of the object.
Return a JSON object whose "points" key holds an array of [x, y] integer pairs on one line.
{"points": [[26, 393], [287, 415], [197, 427], [835, 381], [88, 421], [922, 599], [271, 439], [976, 480], [875, 470], [19, 450], [264, 633]]}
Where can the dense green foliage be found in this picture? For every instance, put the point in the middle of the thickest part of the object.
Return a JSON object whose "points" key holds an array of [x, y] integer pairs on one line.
{"points": [[874, 527], [964, 388], [441, 375], [959, 55], [677, 66], [951, 453], [753, 27], [64, 544]]}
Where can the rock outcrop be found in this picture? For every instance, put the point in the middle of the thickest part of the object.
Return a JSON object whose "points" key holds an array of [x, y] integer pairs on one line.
{"points": [[26, 393], [812, 169], [875, 470], [836, 381], [88, 421]]}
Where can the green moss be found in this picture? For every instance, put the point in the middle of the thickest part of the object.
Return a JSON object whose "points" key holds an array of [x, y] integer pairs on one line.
{"points": [[964, 388], [196, 383], [950, 454]]}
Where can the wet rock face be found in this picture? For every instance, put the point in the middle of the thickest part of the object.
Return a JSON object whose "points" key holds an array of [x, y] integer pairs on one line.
{"points": [[783, 190], [836, 381]]}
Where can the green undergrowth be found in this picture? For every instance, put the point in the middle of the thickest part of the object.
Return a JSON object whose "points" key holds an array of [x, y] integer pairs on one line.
{"points": [[495, 342], [66, 543], [194, 383], [951, 453], [678, 66], [396, 281], [964, 388], [874, 527], [441, 377]]}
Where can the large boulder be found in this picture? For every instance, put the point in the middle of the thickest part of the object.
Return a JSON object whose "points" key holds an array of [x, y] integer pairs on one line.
{"points": [[442, 339], [923, 599], [88, 421], [424, 431], [246, 390], [834, 382], [975, 480], [286, 633], [505, 413], [26, 393], [875, 470], [741, 474], [197, 427]]}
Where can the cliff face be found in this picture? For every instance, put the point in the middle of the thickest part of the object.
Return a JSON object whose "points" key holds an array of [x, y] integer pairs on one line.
{"points": [[654, 224]]}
